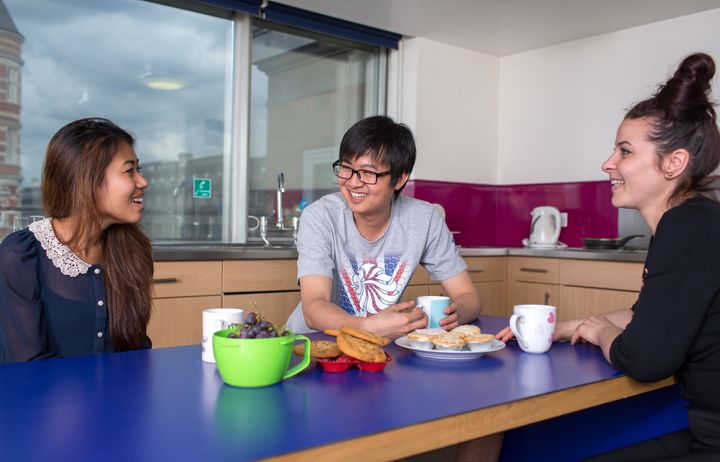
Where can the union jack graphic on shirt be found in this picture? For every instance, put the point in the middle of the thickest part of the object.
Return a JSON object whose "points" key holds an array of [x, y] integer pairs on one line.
{"points": [[372, 284]]}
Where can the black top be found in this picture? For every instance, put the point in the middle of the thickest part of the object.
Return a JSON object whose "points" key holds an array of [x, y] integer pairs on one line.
{"points": [[676, 322], [52, 304]]}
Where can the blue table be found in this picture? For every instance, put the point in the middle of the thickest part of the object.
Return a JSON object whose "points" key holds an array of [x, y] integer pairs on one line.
{"points": [[168, 405]]}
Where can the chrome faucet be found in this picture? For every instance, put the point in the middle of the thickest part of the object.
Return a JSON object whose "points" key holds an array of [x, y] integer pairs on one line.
{"points": [[280, 190]]}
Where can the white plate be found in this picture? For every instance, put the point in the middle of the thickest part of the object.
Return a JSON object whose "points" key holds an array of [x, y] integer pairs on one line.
{"points": [[445, 355]]}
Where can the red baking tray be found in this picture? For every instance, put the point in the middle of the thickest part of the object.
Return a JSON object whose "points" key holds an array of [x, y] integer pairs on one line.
{"points": [[344, 362]]}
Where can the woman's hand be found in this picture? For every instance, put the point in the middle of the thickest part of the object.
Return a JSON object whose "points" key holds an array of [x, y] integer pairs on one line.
{"points": [[592, 330], [504, 335], [563, 331]]}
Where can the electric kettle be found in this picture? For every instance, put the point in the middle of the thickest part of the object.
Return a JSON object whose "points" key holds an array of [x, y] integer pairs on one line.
{"points": [[544, 227]]}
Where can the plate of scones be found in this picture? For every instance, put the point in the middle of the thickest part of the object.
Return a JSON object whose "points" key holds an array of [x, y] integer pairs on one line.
{"points": [[463, 343]]}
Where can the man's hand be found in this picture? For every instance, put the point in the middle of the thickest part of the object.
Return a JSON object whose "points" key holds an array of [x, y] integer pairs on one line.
{"points": [[396, 320], [451, 321]]}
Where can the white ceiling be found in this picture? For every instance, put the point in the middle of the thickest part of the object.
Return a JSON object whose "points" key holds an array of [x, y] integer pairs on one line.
{"points": [[503, 27]]}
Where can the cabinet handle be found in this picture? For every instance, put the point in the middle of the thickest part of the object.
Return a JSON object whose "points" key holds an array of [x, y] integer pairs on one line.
{"points": [[164, 280], [534, 270], [547, 299], [475, 270]]}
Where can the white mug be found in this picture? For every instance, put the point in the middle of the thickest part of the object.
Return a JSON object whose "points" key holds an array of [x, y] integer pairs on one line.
{"points": [[434, 307], [213, 320], [533, 326]]}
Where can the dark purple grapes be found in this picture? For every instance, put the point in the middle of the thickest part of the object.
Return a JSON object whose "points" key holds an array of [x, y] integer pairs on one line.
{"points": [[251, 318], [257, 327]]}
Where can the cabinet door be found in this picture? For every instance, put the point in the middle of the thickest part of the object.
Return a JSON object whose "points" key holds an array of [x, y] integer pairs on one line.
{"points": [[437, 289], [178, 321], [521, 293], [413, 292], [186, 278], [274, 306], [259, 275], [492, 295], [581, 302]]}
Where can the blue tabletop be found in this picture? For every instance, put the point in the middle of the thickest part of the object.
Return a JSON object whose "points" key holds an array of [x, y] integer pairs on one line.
{"points": [[167, 404]]}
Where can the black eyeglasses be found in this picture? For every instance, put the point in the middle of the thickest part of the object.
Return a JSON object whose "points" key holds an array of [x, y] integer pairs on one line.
{"points": [[366, 176]]}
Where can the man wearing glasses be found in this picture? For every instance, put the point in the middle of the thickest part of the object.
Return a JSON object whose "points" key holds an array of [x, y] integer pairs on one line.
{"points": [[359, 247]]}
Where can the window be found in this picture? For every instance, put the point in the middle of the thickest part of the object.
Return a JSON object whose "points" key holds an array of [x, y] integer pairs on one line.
{"points": [[165, 74], [307, 90]]}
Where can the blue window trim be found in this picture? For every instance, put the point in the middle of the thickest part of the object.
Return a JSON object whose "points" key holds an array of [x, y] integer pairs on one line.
{"points": [[246, 6], [291, 16], [304, 19]]}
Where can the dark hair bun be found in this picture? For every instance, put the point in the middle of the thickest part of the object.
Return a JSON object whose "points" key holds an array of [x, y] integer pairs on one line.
{"points": [[685, 96]]}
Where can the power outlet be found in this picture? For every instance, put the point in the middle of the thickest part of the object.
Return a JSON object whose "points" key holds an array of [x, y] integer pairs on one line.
{"points": [[563, 219]]}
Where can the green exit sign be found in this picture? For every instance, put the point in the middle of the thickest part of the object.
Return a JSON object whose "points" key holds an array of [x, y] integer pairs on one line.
{"points": [[202, 188]]}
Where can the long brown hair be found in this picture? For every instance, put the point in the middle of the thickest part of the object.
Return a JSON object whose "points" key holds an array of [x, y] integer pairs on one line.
{"points": [[74, 170]]}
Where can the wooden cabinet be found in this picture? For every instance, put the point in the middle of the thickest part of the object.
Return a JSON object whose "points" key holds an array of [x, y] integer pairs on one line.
{"points": [[595, 287], [532, 280], [181, 291], [578, 288], [267, 286], [177, 321], [275, 306], [243, 276], [488, 276]]}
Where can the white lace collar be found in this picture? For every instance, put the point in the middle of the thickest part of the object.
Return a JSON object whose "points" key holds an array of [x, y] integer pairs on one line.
{"points": [[59, 254]]}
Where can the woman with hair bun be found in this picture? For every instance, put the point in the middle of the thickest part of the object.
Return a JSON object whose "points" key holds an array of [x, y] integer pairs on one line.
{"points": [[79, 283], [666, 151]]}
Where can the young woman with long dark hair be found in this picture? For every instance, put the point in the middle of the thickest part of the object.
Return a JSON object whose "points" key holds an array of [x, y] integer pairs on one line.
{"points": [[79, 282]]}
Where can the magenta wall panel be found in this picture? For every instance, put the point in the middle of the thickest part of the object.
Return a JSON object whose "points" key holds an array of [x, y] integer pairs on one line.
{"points": [[491, 215]]}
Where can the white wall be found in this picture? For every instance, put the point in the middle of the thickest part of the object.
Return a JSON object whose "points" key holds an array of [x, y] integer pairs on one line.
{"points": [[449, 97], [560, 106]]}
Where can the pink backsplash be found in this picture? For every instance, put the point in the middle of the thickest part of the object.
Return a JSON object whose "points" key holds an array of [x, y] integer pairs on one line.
{"points": [[492, 215]]}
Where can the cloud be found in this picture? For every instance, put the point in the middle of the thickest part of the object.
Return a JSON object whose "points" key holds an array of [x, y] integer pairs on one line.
{"points": [[83, 59]]}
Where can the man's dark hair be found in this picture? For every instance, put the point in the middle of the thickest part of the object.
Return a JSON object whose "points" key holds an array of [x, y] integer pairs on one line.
{"points": [[386, 142]]}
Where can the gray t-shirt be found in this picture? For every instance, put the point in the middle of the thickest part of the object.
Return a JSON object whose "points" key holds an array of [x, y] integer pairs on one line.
{"points": [[370, 276]]}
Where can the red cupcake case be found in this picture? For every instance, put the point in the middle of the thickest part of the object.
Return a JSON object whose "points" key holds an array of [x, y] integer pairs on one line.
{"points": [[344, 362]]}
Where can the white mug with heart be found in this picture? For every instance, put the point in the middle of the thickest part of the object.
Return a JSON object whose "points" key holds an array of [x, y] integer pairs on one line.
{"points": [[533, 326]]}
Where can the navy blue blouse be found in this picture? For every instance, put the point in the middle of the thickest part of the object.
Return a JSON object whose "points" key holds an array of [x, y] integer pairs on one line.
{"points": [[43, 312]]}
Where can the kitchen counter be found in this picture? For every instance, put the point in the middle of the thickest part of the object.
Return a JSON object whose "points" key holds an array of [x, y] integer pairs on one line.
{"points": [[189, 252]]}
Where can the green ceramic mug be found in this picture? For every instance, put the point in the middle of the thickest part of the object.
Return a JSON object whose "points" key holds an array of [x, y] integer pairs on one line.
{"points": [[257, 362]]}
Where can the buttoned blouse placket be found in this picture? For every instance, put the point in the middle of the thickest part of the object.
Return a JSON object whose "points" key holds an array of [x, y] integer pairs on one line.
{"points": [[96, 274]]}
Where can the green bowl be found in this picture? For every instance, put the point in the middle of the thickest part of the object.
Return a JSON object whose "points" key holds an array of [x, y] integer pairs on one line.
{"points": [[257, 362]]}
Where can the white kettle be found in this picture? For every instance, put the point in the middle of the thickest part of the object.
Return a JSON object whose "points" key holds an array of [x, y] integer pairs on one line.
{"points": [[544, 227]]}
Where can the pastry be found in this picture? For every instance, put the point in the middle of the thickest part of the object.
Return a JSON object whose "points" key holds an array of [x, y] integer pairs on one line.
{"points": [[418, 340], [319, 349], [331, 332], [448, 341], [360, 349], [365, 335], [479, 341], [466, 330]]}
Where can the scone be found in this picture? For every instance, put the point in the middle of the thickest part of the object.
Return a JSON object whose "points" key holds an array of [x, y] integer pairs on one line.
{"points": [[466, 330], [448, 341], [479, 342], [418, 340]]}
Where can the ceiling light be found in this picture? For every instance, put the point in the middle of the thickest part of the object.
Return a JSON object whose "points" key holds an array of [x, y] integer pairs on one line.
{"points": [[158, 81]]}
